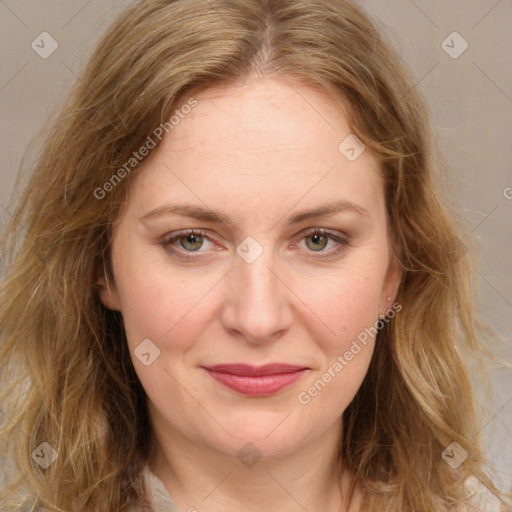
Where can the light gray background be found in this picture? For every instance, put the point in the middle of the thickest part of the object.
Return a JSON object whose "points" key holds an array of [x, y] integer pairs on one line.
{"points": [[470, 100]]}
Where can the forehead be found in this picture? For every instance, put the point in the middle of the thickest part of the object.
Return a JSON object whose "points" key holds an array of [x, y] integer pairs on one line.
{"points": [[265, 114], [266, 144]]}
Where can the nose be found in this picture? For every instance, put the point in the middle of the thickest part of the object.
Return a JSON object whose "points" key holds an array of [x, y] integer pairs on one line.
{"points": [[257, 307]]}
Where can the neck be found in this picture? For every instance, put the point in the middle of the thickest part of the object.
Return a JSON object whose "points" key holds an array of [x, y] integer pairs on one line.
{"points": [[201, 478]]}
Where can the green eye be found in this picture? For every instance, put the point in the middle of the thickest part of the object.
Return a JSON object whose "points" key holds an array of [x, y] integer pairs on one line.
{"points": [[316, 241], [191, 242], [319, 241]]}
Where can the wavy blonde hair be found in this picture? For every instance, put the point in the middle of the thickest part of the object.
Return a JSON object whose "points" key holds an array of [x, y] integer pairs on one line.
{"points": [[66, 377]]}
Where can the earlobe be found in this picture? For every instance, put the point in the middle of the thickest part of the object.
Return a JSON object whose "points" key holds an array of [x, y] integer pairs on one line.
{"points": [[108, 294]]}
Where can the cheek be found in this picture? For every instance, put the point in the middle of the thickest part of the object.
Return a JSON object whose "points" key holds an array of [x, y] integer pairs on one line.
{"points": [[348, 305], [345, 305], [161, 307], [158, 303]]}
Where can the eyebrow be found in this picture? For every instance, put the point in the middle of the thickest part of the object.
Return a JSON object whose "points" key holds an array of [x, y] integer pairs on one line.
{"points": [[206, 214]]}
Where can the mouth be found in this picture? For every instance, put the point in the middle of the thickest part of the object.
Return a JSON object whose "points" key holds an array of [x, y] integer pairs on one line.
{"points": [[256, 380]]}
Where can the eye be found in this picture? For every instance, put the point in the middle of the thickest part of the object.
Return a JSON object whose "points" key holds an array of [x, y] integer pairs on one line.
{"points": [[317, 240], [184, 243], [190, 240]]}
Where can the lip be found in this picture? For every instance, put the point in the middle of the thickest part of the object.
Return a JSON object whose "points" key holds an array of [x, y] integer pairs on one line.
{"points": [[256, 380]]}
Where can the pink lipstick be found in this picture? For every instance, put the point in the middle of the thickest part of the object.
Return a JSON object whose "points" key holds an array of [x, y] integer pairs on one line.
{"points": [[256, 380]]}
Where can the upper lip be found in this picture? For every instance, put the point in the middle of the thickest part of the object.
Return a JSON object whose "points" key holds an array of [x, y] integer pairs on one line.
{"points": [[255, 371]]}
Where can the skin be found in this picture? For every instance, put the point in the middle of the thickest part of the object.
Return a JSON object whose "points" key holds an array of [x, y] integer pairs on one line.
{"points": [[259, 153]]}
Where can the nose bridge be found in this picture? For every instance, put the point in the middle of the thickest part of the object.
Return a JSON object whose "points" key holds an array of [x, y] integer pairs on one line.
{"points": [[257, 304]]}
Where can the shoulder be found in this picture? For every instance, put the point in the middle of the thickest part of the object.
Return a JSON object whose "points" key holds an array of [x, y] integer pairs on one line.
{"points": [[481, 499]]}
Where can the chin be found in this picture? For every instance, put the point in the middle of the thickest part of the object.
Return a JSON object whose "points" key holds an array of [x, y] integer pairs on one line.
{"points": [[266, 434]]}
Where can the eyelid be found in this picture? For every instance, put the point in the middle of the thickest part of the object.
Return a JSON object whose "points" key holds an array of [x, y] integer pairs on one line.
{"points": [[343, 240], [167, 239], [324, 231]]}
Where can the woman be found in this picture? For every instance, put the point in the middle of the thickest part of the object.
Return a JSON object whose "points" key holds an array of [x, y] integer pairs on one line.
{"points": [[237, 286]]}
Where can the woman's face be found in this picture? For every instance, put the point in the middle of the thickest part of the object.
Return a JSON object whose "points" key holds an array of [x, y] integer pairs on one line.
{"points": [[256, 285]]}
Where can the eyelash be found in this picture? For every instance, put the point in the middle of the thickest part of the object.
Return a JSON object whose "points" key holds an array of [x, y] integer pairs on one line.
{"points": [[343, 242]]}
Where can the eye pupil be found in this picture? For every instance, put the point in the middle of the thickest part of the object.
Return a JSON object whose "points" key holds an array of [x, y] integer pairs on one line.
{"points": [[193, 239], [318, 239]]}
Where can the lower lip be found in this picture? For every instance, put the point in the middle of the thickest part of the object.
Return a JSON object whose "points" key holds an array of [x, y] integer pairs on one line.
{"points": [[256, 386]]}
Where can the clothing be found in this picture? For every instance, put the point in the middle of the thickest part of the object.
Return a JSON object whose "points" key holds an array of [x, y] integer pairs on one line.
{"points": [[158, 494], [162, 502]]}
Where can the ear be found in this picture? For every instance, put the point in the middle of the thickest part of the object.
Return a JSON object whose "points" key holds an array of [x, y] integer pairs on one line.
{"points": [[109, 295], [391, 286]]}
